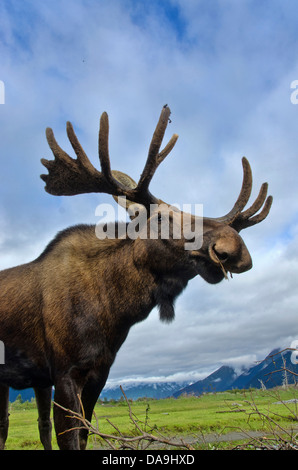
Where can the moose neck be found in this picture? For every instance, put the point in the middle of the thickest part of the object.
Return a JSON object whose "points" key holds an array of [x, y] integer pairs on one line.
{"points": [[138, 283], [120, 279], [139, 278]]}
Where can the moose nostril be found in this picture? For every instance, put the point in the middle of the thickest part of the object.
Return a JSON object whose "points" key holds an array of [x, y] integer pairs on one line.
{"points": [[222, 256], [217, 255]]}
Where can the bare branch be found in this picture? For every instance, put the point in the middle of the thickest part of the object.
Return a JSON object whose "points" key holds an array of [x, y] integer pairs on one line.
{"points": [[125, 442]]}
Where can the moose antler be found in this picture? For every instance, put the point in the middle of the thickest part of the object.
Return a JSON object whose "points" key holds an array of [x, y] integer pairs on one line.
{"points": [[240, 220], [68, 176]]}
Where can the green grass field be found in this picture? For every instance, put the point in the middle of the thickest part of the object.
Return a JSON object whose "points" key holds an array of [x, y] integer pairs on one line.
{"points": [[191, 417]]}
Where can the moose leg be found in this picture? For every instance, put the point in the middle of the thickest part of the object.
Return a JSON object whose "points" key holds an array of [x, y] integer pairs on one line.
{"points": [[4, 400], [90, 396], [66, 395], [43, 400]]}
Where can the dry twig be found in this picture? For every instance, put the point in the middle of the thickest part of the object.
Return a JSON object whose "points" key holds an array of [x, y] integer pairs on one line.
{"points": [[122, 441]]}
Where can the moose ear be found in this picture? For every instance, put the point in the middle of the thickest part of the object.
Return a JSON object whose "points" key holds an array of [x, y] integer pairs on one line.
{"points": [[132, 208]]}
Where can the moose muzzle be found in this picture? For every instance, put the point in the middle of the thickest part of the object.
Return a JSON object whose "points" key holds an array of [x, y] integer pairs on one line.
{"points": [[227, 249]]}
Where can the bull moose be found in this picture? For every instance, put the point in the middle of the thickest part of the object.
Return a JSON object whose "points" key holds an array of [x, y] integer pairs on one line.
{"points": [[64, 316]]}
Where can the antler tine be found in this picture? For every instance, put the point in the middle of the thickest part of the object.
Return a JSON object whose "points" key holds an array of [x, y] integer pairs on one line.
{"points": [[240, 220], [256, 206], [168, 148], [120, 183], [245, 219], [262, 215], [243, 196], [154, 157], [58, 152], [103, 148], [79, 151]]}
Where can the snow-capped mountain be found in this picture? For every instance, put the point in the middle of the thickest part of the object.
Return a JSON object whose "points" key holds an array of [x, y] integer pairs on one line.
{"points": [[278, 368], [135, 390]]}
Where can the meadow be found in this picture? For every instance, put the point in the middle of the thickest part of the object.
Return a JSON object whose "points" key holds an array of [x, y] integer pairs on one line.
{"points": [[215, 420]]}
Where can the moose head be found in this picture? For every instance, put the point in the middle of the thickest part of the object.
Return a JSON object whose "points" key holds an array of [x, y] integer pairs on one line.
{"points": [[222, 250]]}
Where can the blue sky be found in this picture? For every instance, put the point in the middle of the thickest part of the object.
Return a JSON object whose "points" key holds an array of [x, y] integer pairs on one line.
{"points": [[225, 69]]}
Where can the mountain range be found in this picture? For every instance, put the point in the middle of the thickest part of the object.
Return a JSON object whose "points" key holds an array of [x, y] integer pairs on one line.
{"points": [[276, 369], [132, 390], [137, 390]]}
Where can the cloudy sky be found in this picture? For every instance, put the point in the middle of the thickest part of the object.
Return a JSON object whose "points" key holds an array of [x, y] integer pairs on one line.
{"points": [[225, 68]]}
